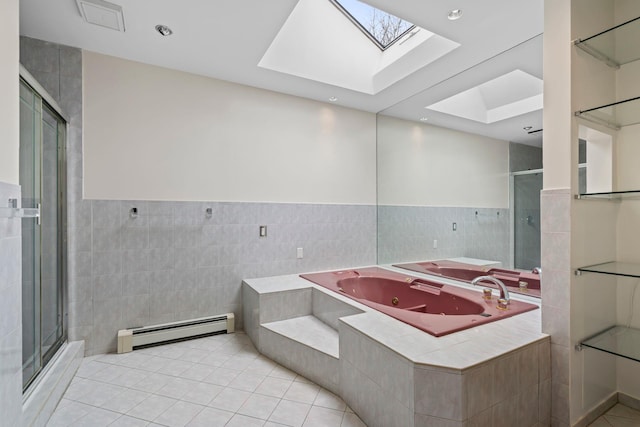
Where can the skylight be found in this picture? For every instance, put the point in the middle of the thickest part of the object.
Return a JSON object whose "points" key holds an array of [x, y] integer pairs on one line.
{"points": [[341, 56], [506, 96], [381, 27]]}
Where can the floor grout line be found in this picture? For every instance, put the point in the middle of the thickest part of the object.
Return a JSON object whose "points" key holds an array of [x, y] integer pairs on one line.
{"points": [[256, 369]]}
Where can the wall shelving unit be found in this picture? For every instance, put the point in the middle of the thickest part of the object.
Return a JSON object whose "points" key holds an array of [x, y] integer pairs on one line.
{"points": [[618, 340], [606, 46], [614, 268], [611, 195], [615, 115]]}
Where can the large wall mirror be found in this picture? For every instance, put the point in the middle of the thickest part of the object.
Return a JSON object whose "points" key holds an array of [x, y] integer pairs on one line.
{"points": [[460, 166]]}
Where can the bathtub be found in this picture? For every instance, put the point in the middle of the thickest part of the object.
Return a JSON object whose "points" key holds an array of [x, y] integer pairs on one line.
{"points": [[468, 272], [427, 305]]}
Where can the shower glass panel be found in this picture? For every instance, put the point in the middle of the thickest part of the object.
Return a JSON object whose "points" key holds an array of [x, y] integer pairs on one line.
{"points": [[42, 142], [526, 227], [51, 233], [30, 131]]}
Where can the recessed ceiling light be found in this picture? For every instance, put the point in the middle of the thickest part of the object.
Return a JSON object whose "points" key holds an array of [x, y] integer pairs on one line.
{"points": [[527, 127], [333, 99], [424, 119], [164, 30], [454, 14]]}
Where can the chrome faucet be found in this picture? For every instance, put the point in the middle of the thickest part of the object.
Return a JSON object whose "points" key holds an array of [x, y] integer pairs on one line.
{"points": [[504, 292], [538, 271]]}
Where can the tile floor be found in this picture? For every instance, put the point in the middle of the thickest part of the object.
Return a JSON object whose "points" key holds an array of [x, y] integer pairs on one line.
{"points": [[215, 381], [618, 416]]}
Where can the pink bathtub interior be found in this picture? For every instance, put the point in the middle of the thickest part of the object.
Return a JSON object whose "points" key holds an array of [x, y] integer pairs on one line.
{"points": [[435, 308], [468, 272]]}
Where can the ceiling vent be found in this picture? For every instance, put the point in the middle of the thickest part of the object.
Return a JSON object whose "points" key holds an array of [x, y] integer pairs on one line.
{"points": [[102, 13]]}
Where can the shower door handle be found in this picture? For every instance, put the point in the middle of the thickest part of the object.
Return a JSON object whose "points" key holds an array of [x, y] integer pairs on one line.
{"points": [[13, 211], [39, 215]]}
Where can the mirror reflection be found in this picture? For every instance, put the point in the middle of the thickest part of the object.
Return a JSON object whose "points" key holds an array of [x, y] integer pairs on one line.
{"points": [[460, 173]]}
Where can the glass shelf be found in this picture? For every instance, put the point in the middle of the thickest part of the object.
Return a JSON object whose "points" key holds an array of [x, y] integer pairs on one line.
{"points": [[611, 195], [615, 115], [618, 340], [627, 269], [605, 47]]}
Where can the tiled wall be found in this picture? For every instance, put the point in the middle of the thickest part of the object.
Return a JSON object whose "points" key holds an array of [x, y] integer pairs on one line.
{"points": [[524, 157], [59, 70], [10, 317], [406, 233], [173, 262], [555, 206]]}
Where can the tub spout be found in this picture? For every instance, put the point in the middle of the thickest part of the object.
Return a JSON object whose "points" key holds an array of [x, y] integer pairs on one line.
{"points": [[504, 292], [538, 271]]}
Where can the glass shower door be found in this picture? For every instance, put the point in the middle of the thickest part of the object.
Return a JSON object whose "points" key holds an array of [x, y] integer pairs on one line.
{"points": [[51, 285], [526, 227], [30, 179], [42, 141]]}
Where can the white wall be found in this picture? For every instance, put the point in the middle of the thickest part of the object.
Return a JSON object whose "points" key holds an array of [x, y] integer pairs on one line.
{"points": [[556, 156], [574, 232], [599, 231], [593, 225], [9, 112], [628, 178], [152, 133], [424, 165]]}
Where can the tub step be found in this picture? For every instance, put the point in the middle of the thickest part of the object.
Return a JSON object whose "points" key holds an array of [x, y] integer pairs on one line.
{"points": [[310, 331], [305, 345]]}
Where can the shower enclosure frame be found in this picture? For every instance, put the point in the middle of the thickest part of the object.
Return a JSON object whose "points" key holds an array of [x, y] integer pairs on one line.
{"points": [[62, 223], [512, 218]]}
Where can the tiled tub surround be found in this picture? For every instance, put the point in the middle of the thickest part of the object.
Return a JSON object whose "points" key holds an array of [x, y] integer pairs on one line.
{"points": [[428, 305], [406, 233], [392, 374], [175, 262]]}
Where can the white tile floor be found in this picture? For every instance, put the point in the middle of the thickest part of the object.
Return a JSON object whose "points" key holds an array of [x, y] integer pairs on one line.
{"points": [[618, 416], [214, 381]]}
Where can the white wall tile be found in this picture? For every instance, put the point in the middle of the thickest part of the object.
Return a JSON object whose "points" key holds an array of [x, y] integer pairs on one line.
{"points": [[559, 403], [10, 327], [479, 389], [505, 412], [439, 394], [505, 378], [407, 233]]}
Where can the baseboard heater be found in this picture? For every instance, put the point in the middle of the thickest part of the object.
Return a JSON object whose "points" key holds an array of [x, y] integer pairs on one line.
{"points": [[147, 336]]}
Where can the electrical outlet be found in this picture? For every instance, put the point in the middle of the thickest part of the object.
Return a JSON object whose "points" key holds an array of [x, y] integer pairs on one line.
{"points": [[299, 253], [435, 244], [455, 226], [263, 231]]}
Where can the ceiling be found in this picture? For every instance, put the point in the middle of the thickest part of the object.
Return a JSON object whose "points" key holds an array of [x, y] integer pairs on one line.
{"points": [[227, 39]]}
